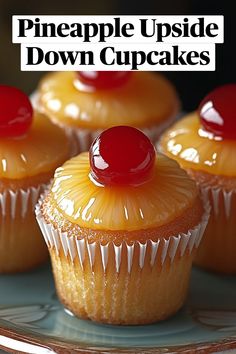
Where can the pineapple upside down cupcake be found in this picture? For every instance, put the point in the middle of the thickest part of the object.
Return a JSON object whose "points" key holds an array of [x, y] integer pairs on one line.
{"points": [[85, 103], [31, 148], [204, 143], [122, 226]]}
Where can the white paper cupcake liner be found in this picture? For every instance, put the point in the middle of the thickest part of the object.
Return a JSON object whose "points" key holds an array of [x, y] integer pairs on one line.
{"points": [[78, 248], [215, 195], [26, 198], [21, 245]]}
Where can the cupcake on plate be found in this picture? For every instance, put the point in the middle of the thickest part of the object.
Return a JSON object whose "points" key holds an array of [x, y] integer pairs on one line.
{"points": [[85, 103], [122, 225], [204, 143], [31, 148]]}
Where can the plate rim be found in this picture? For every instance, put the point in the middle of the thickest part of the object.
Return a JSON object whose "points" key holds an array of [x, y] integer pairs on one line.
{"points": [[58, 346]]}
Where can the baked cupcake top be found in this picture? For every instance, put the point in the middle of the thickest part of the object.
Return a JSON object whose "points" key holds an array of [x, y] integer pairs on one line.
{"points": [[99, 100], [205, 140], [121, 184], [29, 143]]}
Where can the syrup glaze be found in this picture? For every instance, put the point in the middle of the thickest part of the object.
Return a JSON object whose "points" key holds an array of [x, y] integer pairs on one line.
{"points": [[40, 150], [196, 148], [164, 197], [143, 101]]}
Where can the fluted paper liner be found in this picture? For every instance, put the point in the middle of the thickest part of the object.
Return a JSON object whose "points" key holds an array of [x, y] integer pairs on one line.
{"points": [[215, 194], [26, 197], [217, 251], [21, 246], [77, 248]]}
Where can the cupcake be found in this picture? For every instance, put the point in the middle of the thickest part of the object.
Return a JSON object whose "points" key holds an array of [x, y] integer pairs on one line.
{"points": [[204, 143], [122, 225], [85, 103], [31, 148]]}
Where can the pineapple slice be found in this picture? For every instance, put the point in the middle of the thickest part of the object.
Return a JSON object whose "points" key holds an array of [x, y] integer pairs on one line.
{"points": [[145, 100], [166, 196], [40, 150], [196, 149]]}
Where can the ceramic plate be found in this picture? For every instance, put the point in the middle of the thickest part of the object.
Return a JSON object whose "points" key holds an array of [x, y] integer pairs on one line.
{"points": [[33, 321]]}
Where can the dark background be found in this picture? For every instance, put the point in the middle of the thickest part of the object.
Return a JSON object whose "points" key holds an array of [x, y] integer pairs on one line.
{"points": [[192, 86]]}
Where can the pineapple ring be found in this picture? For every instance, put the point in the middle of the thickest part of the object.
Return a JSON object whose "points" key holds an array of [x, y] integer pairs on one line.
{"points": [[194, 148], [145, 100], [166, 196], [40, 150]]}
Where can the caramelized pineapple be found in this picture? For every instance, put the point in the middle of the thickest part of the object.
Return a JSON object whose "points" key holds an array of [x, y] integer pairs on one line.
{"points": [[143, 101], [197, 149], [81, 201], [35, 152]]}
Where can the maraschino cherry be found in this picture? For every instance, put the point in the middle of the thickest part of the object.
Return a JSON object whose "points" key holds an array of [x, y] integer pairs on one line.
{"points": [[122, 155], [15, 112], [102, 80], [218, 112]]}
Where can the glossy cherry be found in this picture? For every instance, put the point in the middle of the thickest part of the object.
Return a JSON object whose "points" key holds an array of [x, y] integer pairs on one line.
{"points": [[218, 112], [101, 80], [122, 155], [15, 112]]}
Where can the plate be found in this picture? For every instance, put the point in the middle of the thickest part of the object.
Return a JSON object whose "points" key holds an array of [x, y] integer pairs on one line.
{"points": [[33, 321]]}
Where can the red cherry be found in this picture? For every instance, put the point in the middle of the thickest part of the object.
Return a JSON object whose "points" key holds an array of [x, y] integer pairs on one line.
{"points": [[103, 79], [122, 155], [218, 111], [15, 112]]}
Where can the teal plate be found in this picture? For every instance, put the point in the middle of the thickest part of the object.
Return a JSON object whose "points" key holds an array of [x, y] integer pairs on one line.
{"points": [[33, 321]]}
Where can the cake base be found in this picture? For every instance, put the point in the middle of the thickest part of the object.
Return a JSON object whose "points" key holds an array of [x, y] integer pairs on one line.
{"points": [[218, 247], [142, 296]]}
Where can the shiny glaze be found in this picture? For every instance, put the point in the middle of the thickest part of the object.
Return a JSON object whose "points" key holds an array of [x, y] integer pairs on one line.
{"points": [[122, 155], [15, 112], [43, 148], [119, 207], [195, 148], [103, 80], [146, 99], [218, 112]]}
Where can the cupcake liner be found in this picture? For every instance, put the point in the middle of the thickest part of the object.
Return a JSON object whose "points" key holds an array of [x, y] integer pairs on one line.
{"points": [[78, 248], [215, 195], [217, 251], [21, 244], [27, 198]]}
